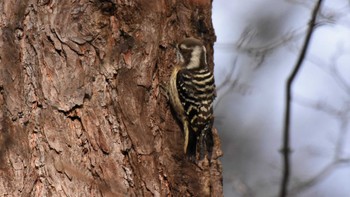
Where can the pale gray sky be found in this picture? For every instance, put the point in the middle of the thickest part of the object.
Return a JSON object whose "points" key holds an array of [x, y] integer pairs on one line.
{"points": [[250, 117]]}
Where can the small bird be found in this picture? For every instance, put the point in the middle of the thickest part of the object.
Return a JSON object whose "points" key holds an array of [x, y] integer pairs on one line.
{"points": [[191, 94]]}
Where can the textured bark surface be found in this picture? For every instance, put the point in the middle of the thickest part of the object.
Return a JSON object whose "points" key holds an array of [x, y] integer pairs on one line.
{"points": [[81, 108]]}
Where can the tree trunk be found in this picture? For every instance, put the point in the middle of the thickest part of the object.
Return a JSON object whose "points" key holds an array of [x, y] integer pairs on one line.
{"points": [[81, 108]]}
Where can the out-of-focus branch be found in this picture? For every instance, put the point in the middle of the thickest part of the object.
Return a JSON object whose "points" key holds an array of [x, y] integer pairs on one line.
{"points": [[320, 106], [332, 70], [338, 78], [227, 82], [324, 173], [228, 76], [329, 15], [340, 114], [260, 52], [286, 134], [338, 157], [246, 36]]}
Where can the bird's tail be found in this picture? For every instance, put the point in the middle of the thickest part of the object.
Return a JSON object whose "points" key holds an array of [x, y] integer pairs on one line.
{"points": [[206, 142]]}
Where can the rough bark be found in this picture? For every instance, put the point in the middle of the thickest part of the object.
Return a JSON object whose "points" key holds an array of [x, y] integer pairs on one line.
{"points": [[81, 108]]}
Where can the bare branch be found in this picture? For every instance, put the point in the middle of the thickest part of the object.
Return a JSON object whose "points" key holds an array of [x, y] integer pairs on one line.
{"points": [[319, 105], [286, 144], [265, 49], [219, 99], [314, 180], [328, 15], [227, 81], [332, 70], [325, 172], [338, 158], [228, 76]]}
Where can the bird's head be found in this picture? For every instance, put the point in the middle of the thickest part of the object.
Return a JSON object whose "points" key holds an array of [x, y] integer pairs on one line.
{"points": [[192, 53]]}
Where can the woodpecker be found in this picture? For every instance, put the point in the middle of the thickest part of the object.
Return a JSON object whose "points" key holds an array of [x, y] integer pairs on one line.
{"points": [[191, 94]]}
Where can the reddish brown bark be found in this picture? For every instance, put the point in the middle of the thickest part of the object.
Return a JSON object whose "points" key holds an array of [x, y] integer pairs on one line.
{"points": [[81, 108]]}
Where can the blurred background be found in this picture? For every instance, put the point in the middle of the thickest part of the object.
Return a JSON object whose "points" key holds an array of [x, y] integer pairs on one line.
{"points": [[258, 43]]}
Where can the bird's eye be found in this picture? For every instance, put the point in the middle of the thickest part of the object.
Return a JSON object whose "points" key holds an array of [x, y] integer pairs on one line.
{"points": [[182, 46], [179, 57]]}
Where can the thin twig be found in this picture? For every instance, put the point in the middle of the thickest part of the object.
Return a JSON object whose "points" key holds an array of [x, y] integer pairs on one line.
{"points": [[332, 70], [338, 155], [227, 81], [320, 176], [286, 134], [228, 76]]}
